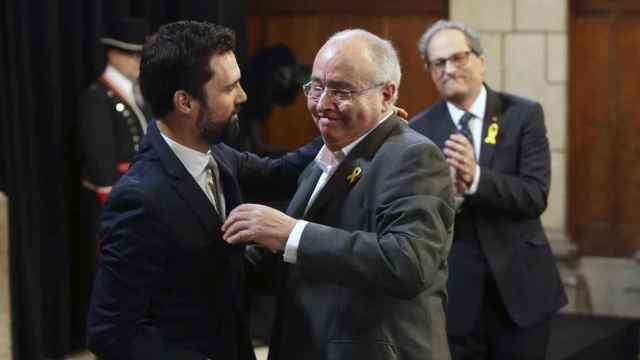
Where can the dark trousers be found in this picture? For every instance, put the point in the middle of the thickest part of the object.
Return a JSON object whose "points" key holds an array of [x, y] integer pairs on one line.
{"points": [[495, 336]]}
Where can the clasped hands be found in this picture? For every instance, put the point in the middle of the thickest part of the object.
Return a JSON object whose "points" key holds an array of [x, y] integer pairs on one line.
{"points": [[459, 154], [259, 224]]}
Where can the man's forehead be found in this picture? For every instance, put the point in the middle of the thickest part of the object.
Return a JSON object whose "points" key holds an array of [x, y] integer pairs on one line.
{"points": [[225, 67], [337, 64], [447, 41]]}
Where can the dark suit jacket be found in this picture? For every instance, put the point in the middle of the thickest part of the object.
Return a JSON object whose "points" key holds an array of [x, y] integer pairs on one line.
{"points": [[168, 286], [370, 277], [498, 231]]}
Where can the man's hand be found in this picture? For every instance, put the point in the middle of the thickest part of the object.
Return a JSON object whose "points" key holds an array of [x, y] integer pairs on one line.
{"points": [[401, 112], [260, 224], [460, 156], [459, 186]]}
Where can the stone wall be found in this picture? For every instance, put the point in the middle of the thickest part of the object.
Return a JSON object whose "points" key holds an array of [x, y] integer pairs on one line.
{"points": [[526, 48], [5, 308]]}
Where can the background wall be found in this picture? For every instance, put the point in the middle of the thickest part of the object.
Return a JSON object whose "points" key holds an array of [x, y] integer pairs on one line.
{"points": [[605, 127]]}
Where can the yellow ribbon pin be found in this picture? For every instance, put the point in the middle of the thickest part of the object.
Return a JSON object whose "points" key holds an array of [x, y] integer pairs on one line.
{"points": [[355, 175], [492, 133]]}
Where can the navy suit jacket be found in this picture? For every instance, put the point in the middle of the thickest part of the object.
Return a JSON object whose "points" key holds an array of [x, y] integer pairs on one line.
{"points": [[168, 286], [498, 232]]}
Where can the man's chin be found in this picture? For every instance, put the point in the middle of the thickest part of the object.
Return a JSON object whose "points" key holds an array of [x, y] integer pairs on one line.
{"points": [[455, 96], [228, 133]]}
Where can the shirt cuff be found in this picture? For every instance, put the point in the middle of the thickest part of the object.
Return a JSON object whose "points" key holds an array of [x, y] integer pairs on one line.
{"points": [[291, 247], [474, 185]]}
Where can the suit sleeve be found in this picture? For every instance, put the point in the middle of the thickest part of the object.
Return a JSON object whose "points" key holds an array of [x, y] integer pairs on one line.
{"points": [[406, 251], [280, 175], [525, 192], [133, 253], [97, 138]]}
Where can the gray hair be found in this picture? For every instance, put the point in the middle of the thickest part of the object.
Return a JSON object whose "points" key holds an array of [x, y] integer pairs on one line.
{"points": [[383, 55], [473, 40]]}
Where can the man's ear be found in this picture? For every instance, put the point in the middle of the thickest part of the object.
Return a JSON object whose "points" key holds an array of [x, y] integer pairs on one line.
{"points": [[183, 102], [389, 91]]}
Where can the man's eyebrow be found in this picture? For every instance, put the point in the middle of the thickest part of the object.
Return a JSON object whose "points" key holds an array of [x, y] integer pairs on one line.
{"points": [[338, 84], [233, 83]]}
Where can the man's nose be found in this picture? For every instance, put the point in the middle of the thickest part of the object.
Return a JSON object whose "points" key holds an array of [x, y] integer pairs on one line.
{"points": [[242, 97], [449, 67], [325, 101]]}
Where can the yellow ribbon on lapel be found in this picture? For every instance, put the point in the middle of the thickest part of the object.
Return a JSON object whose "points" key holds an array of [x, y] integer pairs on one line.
{"points": [[355, 175], [492, 133]]}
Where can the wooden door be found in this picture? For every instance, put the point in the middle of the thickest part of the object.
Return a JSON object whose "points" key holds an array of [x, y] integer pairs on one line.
{"points": [[304, 26], [604, 158]]}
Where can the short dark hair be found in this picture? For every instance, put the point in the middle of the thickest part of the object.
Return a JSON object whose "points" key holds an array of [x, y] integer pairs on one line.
{"points": [[177, 58]]}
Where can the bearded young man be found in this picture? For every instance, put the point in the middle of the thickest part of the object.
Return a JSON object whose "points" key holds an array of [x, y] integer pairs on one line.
{"points": [[168, 286]]}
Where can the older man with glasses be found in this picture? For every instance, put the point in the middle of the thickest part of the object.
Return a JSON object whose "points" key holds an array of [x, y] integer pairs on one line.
{"points": [[361, 254], [504, 285]]}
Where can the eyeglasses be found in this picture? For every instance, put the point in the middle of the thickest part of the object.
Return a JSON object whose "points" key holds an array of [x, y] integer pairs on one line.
{"points": [[459, 60], [315, 91]]}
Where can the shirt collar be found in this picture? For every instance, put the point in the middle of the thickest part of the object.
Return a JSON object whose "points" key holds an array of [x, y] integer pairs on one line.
{"points": [[195, 161], [121, 82], [477, 109], [328, 160]]}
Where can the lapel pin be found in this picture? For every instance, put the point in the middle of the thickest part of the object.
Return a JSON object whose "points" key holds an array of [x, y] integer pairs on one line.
{"points": [[355, 175], [492, 132]]}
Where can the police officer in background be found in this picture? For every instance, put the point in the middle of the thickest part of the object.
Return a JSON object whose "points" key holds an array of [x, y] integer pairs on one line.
{"points": [[112, 118], [112, 123]]}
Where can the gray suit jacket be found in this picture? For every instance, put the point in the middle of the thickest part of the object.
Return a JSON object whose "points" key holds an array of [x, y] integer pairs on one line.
{"points": [[370, 278]]}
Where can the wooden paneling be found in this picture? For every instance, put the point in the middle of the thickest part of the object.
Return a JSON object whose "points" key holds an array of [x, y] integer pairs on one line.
{"points": [[356, 7], [306, 32], [586, 7], [592, 137], [628, 131], [604, 127]]}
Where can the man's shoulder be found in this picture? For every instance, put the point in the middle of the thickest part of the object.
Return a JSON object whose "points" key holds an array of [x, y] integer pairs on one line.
{"points": [[96, 88], [430, 112], [99, 95], [146, 178], [407, 137], [512, 100]]}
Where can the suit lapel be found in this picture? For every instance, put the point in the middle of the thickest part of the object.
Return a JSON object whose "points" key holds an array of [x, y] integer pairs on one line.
{"points": [[300, 199], [198, 202], [492, 116], [230, 188], [443, 125], [183, 182], [339, 184]]}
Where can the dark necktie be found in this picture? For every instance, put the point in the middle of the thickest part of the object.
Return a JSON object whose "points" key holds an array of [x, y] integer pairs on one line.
{"points": [[464, 128], [213, 183]]}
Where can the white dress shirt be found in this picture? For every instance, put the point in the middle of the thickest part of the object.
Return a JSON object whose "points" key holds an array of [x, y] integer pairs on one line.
{"points": [[327, 161], [195, 162]]}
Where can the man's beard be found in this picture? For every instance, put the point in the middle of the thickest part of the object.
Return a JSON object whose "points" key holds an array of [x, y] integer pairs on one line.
{"points": [[215, 133]]}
